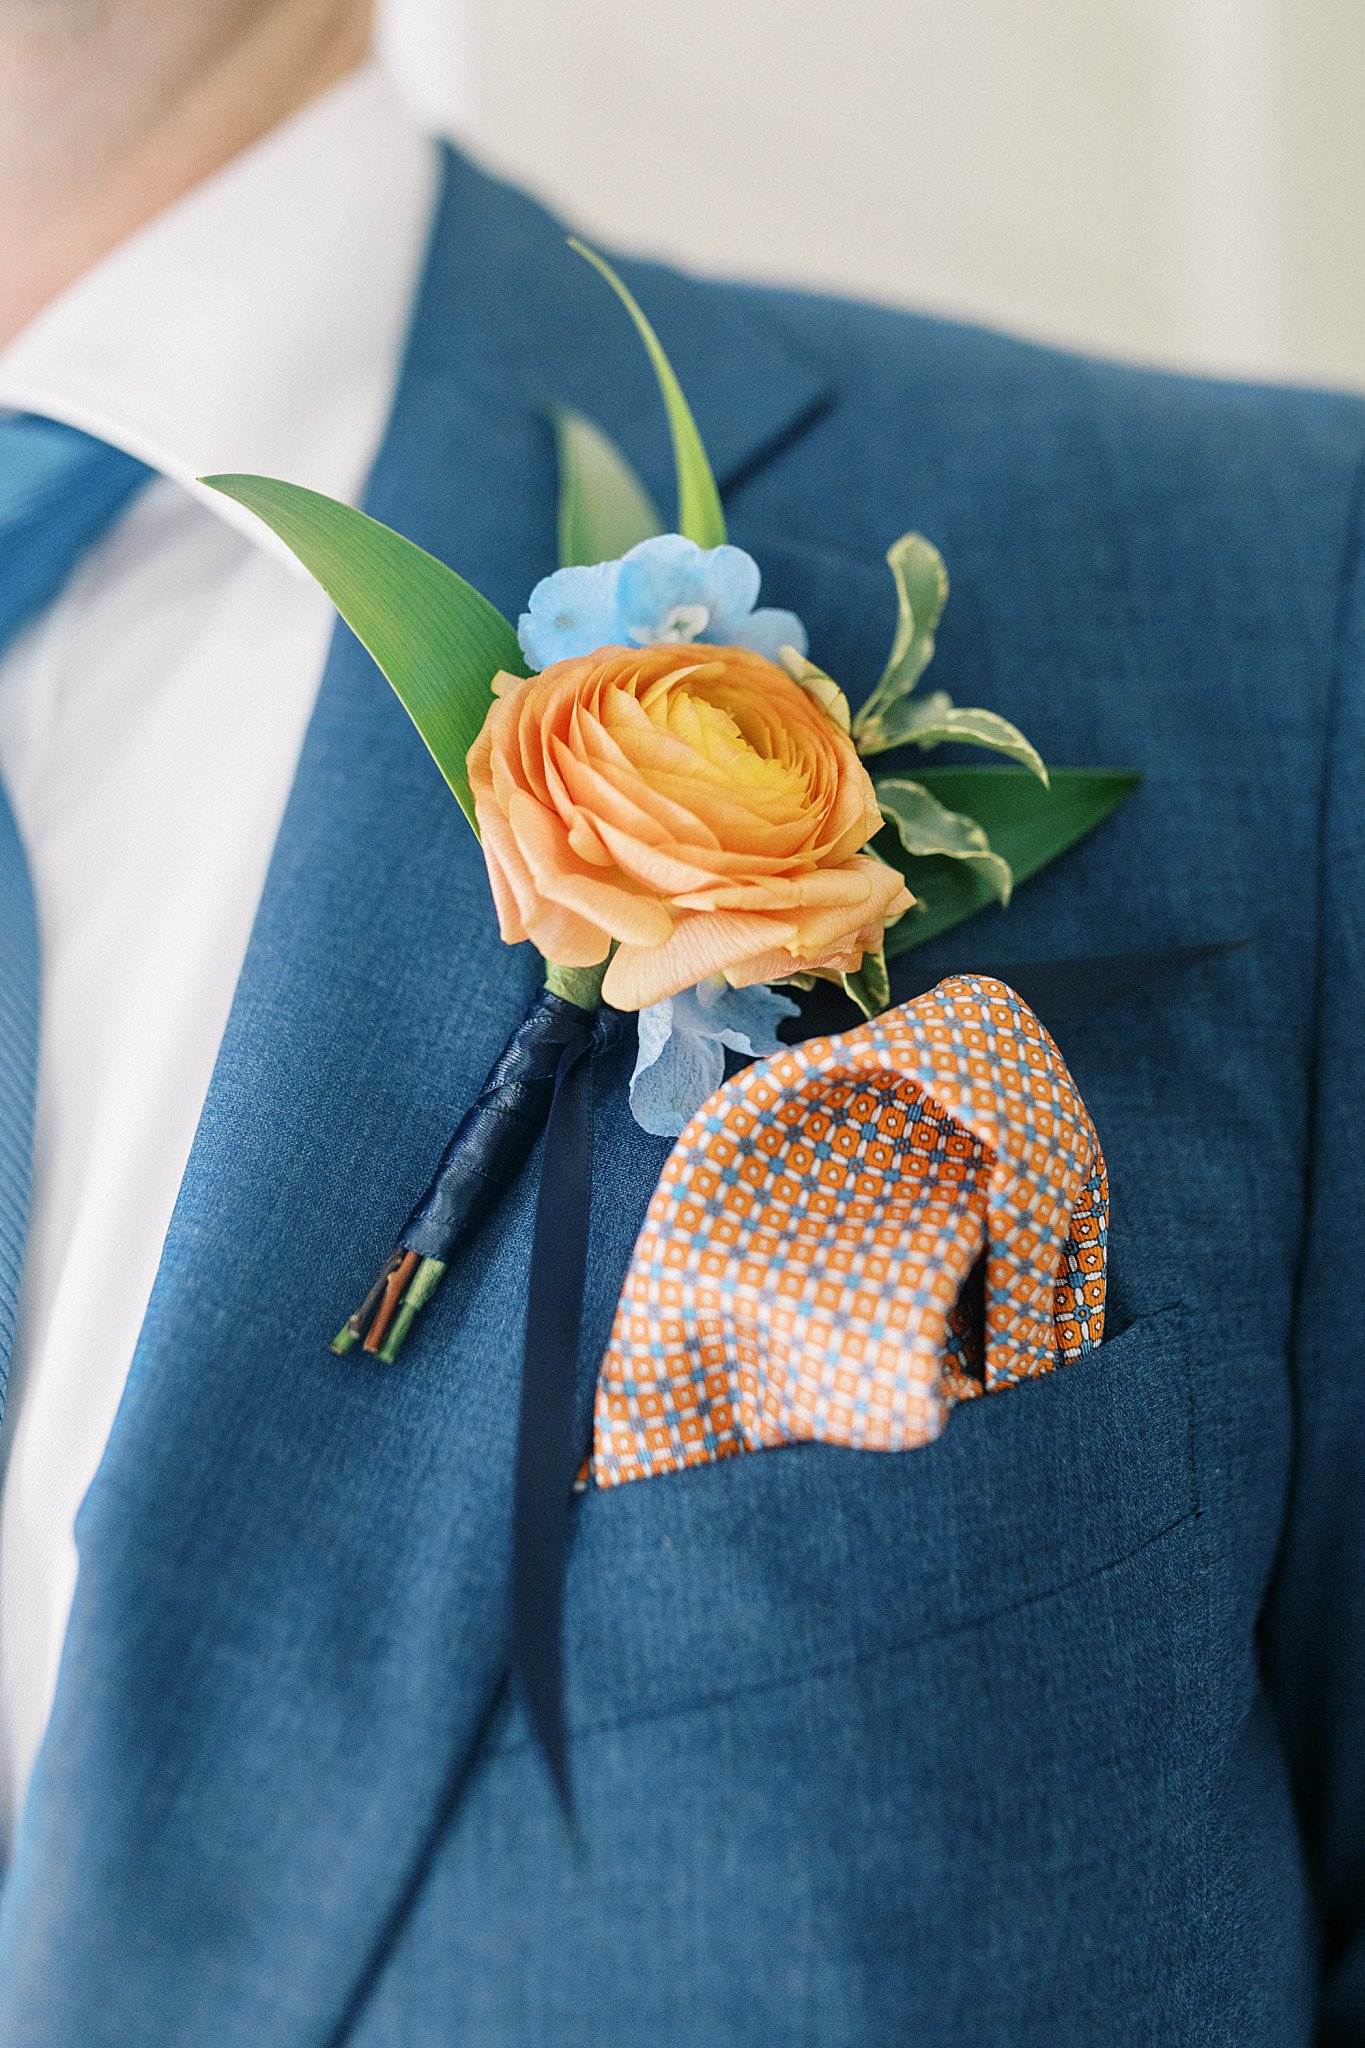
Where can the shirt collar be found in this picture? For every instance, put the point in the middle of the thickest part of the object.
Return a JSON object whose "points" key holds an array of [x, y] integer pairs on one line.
{"points": [[256, 324]]}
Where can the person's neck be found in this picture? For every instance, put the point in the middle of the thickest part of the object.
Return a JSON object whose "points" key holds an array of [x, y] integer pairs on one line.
{"points": [[110, 112]]}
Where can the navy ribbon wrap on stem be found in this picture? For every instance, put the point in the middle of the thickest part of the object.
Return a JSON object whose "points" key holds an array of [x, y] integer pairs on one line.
{"points": [[497, 1133], [540, 1081], [492, 1143]]}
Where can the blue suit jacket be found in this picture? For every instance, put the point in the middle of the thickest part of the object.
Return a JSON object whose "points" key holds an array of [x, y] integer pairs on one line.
{"points": [[1050, 1733]]}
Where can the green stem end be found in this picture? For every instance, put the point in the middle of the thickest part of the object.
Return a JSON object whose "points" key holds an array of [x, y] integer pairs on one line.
{"points": [[421, 1287], [580, 985]]}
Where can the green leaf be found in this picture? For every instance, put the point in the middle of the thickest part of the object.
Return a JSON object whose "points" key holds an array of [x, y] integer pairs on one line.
{"points": [[604, 509], [925, 826], [436, 639], [822, 689], [1027, 825], [932, 723], [700, 517], [869, 987], [922, 591]]}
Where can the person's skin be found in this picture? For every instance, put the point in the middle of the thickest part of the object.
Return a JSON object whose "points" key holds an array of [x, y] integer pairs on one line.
{"points": [[111, 109]]}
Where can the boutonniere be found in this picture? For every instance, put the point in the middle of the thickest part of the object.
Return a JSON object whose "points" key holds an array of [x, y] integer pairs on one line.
{"points": [[677, 808]]}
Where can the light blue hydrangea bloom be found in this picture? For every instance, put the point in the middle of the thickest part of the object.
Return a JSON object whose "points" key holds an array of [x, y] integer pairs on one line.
{"points": [[665, 589], [682, 1047]]}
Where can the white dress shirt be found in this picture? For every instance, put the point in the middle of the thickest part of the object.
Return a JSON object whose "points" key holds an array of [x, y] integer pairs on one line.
{"points": [[150, 725]]}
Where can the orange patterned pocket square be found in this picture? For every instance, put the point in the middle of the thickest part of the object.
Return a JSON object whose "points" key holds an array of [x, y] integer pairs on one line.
{"points": [[854, 1234]]}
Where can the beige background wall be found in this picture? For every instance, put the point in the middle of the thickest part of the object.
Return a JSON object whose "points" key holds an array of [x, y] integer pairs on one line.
{"points": [[1180, 180]]}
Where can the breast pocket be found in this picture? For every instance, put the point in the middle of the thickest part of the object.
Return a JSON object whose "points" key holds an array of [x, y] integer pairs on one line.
{"points": [[766, 1567]]}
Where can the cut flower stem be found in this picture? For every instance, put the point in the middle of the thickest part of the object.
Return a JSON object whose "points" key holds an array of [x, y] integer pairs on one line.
{"points": [[579, 985], [494, 1140]]}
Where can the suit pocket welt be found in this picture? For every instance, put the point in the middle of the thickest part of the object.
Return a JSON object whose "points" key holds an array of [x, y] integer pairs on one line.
{"points": [[767, 1567]]}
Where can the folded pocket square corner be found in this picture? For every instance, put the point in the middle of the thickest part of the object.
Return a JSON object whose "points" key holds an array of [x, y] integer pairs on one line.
{"points": [[854, 1234]]}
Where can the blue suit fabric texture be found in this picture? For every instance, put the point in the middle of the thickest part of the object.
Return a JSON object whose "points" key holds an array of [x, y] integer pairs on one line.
{"points": [[1047, 1734]]}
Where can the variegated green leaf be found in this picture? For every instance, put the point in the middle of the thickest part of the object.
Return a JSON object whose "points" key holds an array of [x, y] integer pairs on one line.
{"points": [[897, 724], [925, 826], [869, 987], [700, 517], [972, 728], [1027, 825], [604, 509], [922, 591], [817, 684]]}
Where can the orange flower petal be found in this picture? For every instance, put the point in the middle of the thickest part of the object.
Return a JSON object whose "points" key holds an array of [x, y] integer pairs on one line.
{"points": [[693, 805], [625, 913], [700, 945]]}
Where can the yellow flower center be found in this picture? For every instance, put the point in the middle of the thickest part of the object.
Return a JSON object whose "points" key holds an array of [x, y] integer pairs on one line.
{"points": [[715, 735]]}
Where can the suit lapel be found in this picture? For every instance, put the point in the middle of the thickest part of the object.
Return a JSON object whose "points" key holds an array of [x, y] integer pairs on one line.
{"points": [[289, 1625]]}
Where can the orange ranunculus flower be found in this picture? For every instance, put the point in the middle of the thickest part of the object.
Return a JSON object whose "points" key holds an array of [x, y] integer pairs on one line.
{"points": [[692, 804]]}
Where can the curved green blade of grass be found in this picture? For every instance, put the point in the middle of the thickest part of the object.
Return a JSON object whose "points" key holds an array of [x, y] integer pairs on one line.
{"points": [[438, 642], [604, 509], [700, 517]]}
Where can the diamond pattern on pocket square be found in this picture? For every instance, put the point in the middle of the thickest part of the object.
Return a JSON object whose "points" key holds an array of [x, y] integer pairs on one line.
{"points": [[801, 1270]]}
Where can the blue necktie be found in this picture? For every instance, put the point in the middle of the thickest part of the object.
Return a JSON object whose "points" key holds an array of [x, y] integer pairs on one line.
{"points": [[59, 491]]}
